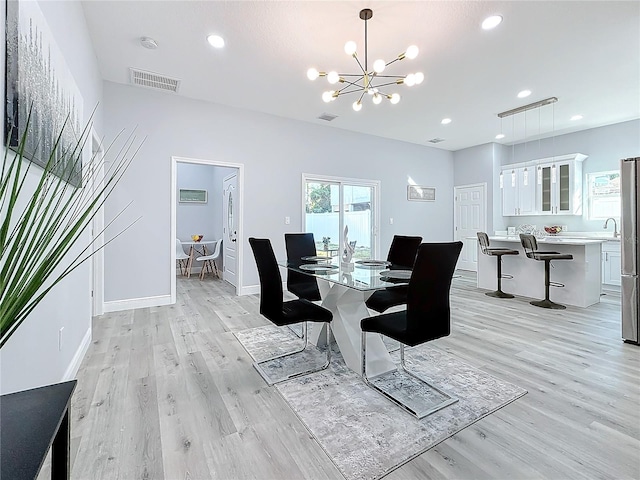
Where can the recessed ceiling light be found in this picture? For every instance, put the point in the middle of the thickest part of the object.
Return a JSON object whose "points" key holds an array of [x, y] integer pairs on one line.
{"points": [[445, 121], [499, 136], [524, 93], [216, 41], [577, 117], [491, 22]]}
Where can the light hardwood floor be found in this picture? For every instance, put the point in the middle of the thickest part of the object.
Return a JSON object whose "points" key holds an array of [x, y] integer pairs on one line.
{"points": [[168, 392]]}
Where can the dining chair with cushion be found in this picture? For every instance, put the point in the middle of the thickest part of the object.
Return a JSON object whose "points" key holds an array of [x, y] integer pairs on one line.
{"points": [[209, 261], [281, 313], [530, 245], [300, 245], [426, 318], [402, 254], [182, 258]]}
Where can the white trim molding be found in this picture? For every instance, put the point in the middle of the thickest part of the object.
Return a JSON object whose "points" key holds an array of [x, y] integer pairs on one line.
{"points": [[74, 365], [133, 303]]}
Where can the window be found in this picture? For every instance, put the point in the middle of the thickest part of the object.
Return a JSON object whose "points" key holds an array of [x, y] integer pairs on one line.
{"points": [[333, 203], [603, 194]]}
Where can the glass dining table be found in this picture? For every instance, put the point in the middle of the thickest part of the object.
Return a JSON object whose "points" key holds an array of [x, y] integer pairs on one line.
{"points": [[344, 289]]}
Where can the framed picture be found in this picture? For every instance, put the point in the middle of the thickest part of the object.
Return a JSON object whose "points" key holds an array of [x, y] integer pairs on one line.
{"points": [[192, 196], [421, 194], [39, 83]]}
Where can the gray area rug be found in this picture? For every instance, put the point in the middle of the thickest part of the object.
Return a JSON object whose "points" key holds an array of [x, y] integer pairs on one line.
{"points": [[364, 434]]}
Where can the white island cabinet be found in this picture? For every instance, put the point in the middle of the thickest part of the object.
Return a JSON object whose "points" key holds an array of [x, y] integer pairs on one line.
{"points": [[581, 276]]}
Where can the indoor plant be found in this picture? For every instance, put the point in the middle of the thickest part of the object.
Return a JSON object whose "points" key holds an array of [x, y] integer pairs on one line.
{"points": [[40, 225]]}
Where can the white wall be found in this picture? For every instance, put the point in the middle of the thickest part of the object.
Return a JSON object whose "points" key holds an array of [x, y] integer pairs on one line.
{"points": [[31, 357], [196, 218], [275, 152]]}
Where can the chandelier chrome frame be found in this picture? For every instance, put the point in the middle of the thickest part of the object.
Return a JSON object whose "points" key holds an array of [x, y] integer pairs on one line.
{"points": [[366, 81]]}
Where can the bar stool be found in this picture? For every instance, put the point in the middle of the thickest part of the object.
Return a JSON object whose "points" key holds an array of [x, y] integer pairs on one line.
{"points": [[530, 245], [483, 239]]}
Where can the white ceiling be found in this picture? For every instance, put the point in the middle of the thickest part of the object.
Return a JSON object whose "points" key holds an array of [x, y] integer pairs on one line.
{"points": [[585, 53]]}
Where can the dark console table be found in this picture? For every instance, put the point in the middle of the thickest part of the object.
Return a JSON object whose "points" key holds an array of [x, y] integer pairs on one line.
{"points": [[31, 421]]}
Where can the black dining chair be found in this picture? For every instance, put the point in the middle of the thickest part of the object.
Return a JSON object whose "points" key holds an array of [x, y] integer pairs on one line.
{"points": [[427, 318], [281, 313], [530, 245], [402, 254], [300, 245]]}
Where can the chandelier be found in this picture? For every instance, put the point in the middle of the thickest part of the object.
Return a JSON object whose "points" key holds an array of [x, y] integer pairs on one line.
{"points": [[367, 81]]}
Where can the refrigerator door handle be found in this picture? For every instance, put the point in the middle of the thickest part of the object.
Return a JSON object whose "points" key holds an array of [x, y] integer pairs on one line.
{"points": [[629, 184]]}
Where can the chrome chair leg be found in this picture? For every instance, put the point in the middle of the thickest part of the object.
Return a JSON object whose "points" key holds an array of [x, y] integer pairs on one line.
{"points": [[448, 399], [260, 366]]}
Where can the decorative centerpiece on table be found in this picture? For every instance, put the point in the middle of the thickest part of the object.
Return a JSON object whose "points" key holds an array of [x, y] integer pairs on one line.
{"points": [[197, 238], [347, 253], [325, 243]]}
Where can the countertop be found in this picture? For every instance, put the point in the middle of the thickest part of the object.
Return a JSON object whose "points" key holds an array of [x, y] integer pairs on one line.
{"points": [[552, 239]]}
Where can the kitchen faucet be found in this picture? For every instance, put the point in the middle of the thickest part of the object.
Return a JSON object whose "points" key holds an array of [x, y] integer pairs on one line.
{"points": [[615, 226]]}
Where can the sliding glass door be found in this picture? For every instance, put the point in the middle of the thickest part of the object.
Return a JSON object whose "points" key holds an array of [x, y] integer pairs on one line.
{"points": [[333, 204]]}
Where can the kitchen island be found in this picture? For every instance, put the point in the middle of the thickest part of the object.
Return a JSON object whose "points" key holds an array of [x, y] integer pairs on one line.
{"points": [[582, 276]]}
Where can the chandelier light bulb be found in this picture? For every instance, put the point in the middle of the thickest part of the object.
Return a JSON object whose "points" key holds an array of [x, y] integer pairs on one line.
{"points": [[333, 77], [419, 78], [412, 52], [377, 98], [327, 97], [350, 47], [312, 74], [410, 80], [379, 66], [357, 106], [395, 98]]}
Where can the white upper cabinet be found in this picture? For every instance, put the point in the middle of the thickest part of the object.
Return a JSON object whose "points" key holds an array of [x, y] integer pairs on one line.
{"points": [[549, 186], [518, 191]]}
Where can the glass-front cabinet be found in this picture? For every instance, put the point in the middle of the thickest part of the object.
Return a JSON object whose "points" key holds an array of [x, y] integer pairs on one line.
{"points": [[559, 186]]}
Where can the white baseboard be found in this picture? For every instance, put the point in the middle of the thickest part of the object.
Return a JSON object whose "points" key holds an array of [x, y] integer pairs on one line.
{"points": [[255, 289], [74, 366], [133, 303], [249, 290]]}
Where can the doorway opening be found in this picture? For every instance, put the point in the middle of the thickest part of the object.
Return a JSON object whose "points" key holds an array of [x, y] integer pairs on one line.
{"points": [[217, 171]]}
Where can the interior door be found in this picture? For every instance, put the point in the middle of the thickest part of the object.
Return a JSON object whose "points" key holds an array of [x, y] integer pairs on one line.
{"points": [[470, 211], [230, 228]]}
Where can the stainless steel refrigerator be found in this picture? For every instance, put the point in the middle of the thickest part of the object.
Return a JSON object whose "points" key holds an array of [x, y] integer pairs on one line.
{"points": [[629, 189]]}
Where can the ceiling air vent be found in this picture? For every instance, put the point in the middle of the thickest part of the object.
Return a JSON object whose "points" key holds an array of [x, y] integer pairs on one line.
{"points": [[436, 140], [328, 117], [154, 80]]}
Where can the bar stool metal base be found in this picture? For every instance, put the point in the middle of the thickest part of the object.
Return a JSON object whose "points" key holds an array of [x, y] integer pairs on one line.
{"points": [[546, 303], [499, 294]]}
